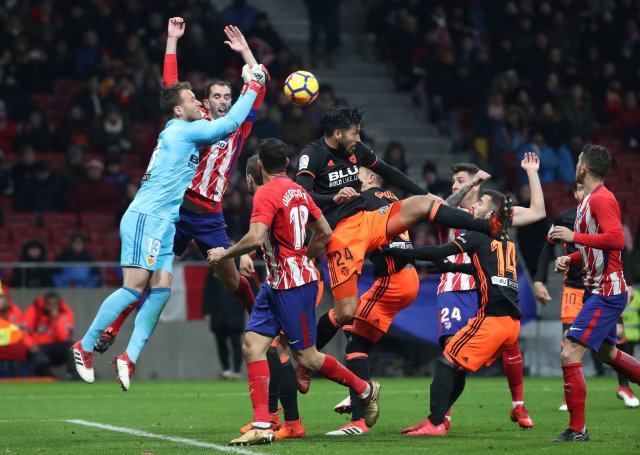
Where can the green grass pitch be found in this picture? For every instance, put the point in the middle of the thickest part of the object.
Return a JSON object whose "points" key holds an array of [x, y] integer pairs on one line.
{"points": [[35, 418]]}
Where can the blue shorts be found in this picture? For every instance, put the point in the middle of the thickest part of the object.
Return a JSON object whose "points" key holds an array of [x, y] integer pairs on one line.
{"points": [[292, 310], [208, 230], [455, 309], [147, 241], [596, 322]]}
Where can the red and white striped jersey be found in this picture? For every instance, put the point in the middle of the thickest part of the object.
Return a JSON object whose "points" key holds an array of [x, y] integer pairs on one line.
{"points": [[286, 208], [454, 282], [216, 160], [600, 239]]}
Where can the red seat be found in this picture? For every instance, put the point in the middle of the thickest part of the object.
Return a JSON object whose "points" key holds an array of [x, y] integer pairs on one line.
{"points": [[59, 220], [19, 220], [20, 236], [100, 235], [97, 220], [8, 255]]}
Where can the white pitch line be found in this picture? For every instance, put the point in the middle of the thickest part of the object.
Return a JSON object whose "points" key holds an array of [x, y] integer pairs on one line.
{"points": [[144, 434]]}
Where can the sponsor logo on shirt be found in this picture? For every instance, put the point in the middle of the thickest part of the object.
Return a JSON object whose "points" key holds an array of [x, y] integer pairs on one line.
{"points": [[502, 281], [342, 176]]}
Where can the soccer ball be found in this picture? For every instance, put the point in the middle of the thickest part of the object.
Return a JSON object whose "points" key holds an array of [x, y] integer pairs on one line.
{"points": [[301, 87]]}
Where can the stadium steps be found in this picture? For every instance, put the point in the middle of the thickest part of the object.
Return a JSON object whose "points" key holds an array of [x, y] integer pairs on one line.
{"points": [[362, 79]]}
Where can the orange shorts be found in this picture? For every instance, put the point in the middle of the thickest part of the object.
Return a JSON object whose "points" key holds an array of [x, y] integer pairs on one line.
{"points": [[380, 304], [482, 341], [357, 235], [571, 304]]}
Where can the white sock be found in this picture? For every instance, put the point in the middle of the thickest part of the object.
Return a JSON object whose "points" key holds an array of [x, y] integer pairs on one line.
{"points": [[516, 403], [366, 392], [262, 425]]}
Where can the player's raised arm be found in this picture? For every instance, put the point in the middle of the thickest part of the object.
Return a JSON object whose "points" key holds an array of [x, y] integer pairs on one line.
{"points": [[321, 234], [388, 173], [238, 43], [175, 30], [536, 210]]}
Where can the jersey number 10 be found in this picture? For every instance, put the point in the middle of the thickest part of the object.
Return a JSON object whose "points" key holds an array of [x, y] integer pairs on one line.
{"points": [[505, 262]]}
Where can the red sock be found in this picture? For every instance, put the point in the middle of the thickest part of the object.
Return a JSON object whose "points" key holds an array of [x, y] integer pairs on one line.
{"points": [[575, 394], [258, 378], [115, 327], [245, 294], [626, 365], [512, 363], [334, 370]]}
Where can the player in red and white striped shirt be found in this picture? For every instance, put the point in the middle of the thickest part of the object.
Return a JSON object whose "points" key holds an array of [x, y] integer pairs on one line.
{"points": [[201, 217], [282, 209], [600, 241], [457, 298]]}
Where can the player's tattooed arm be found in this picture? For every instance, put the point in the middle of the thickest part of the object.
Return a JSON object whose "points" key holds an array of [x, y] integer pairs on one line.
{"points": [[456, 198]]}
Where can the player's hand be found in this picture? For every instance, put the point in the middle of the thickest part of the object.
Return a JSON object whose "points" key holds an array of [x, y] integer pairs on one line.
{"points": [[530, 162], [561, 234], [345, 194], [260, 74], [236, 42], [246, 266], [214, 255], [541, 292], [562, 264], [176, 27], [481, 177]]}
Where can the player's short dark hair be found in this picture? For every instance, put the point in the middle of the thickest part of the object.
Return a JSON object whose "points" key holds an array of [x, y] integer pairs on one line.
{"points": [[341, 118], [469, 168], [496, 197], [597, 158], [207, 88], [170, 96], [273, 155], [252, 169]]}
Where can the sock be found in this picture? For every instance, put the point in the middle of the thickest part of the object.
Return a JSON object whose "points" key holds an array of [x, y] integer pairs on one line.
{"points": [[289, 392], [627, 366], [575, 394], [108, 312], [332, 369], [453, 217], [146, 321], [358, 363], [622, 379], [512, 364], [459, 382], [244, 293], [116, 325], [441, 391], [258, 378], [328, 326], [273, 359]]}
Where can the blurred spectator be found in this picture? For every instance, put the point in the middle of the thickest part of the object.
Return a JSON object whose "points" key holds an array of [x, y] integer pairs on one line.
{"points": [[241, 14], [297, 130], [14, 349], [395, 156], [326, 99], [33, 251], [73, 168], [76, 276], [6, 183], [432, 181], [576, 111], [8, 129], [265, 126], [262, 30], [531, 237], [44, 193], [87, 53], [94, 192], [324, 19], [37, 133], [24, 170], [50, 322], [627, 120], [114, 136], [75, 129], [546, 154], [225, 315], [113, 173], [145, 101], [509, 137], [89, 99]]}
